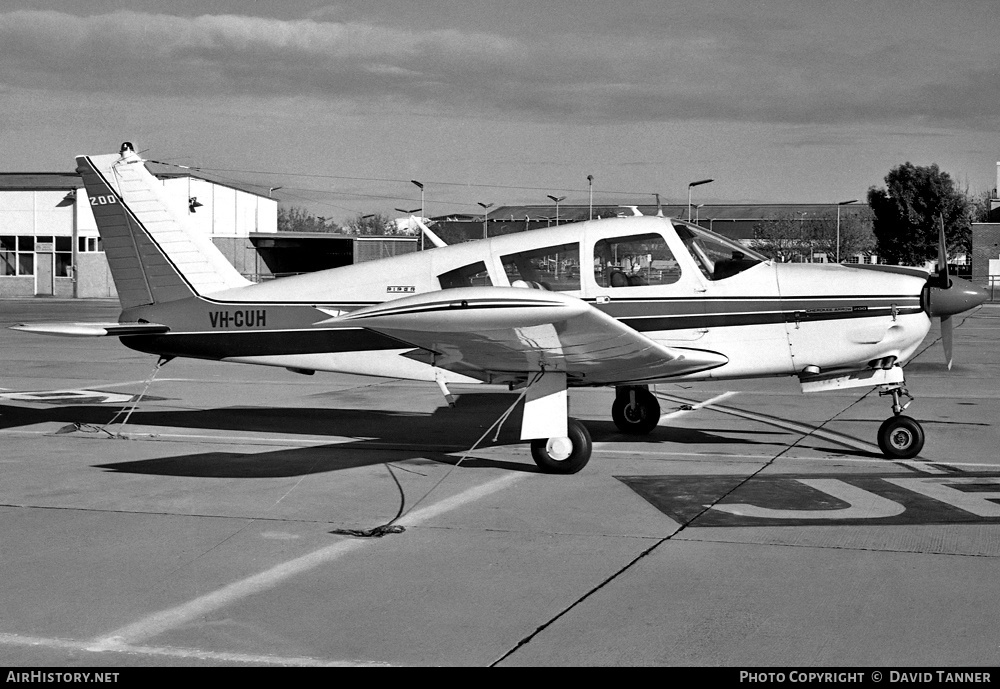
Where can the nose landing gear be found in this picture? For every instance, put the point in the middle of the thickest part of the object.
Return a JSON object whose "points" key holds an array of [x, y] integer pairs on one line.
{"points": [[899, 436], [635, 410]]}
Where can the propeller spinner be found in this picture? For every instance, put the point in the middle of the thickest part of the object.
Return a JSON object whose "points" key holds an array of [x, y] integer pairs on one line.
{"points": [[946, 296]]}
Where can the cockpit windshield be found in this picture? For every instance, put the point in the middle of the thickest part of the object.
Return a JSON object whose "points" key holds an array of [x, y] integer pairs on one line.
{"points": [[718, 257]]}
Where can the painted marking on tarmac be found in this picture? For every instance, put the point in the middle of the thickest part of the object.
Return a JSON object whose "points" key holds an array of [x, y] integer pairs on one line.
{"points": [[805, 429], [246, 440], [184, 653], [813, 499], [936, 468], [165, 620], [785, 424], [688, 408], [71, 396]]}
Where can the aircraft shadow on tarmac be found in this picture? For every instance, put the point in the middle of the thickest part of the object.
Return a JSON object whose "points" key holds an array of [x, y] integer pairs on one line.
{"points": [[381, 436]]}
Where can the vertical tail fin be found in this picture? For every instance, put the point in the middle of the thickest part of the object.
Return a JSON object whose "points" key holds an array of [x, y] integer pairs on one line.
{"points": [[154, 255]]}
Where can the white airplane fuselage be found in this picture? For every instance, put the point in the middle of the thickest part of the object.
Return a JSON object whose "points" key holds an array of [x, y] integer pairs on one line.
{"points": [[770, 319]]}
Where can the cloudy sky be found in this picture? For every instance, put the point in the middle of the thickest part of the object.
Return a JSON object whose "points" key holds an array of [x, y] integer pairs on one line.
{"points": [[504, 101]]}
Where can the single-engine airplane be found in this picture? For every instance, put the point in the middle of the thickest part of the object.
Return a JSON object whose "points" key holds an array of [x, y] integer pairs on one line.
{"points": [[623, 302]]}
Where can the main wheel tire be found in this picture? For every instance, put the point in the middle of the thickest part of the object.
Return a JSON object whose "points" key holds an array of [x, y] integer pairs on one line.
{"points": [[637, 419], [563, 455], [900, 437]]}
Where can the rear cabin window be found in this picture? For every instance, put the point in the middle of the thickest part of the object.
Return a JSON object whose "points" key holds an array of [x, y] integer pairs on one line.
{"points": [[555, 268], [634, 261], [472, 275]]}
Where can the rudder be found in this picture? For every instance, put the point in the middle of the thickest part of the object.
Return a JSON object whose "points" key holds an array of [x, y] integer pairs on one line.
{"points": [[154, 256]]}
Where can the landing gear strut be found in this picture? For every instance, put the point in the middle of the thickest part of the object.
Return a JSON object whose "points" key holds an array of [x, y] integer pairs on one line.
{"points": [[899, 436], [563, 455], [635, 410]]}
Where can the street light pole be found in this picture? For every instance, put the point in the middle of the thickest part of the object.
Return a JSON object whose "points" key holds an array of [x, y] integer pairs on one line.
{"points": [[590, 180], [695, 184], [486, 213], [409, 212], [421, 186], [557, 199], [842, 203]]}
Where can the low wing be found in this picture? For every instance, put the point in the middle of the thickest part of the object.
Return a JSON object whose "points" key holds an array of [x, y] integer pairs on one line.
{"points": [[92, 329], [502, 334]]}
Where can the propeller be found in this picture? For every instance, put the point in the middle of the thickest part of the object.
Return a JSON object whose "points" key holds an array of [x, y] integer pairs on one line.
{"points": [[947, 296], [944, 283]]}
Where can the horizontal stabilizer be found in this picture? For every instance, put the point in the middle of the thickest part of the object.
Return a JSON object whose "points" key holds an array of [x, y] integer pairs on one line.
{"points": [[92, 329]]}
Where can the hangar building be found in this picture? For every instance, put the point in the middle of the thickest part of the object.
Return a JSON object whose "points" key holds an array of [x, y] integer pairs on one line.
{"points": [[50, 246]]}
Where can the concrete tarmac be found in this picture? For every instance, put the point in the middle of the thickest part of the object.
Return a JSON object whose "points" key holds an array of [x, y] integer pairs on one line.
{"points": [[755, 526]]}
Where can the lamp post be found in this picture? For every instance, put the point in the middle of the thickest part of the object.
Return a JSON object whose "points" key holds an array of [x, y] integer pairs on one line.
{"points": [[486, 213], [842, 203], [659, 208], [695, 184], [421, 186], [556, 199], [590, 180], [271, 190]]}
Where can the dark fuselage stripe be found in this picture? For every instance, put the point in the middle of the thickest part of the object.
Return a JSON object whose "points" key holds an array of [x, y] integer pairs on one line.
{"points": [[665, 323], [219, 345]]}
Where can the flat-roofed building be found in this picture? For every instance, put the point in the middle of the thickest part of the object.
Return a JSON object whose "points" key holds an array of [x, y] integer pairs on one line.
{"points": [[50, 246]]}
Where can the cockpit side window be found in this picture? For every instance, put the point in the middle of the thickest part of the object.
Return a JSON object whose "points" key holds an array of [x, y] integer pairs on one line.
{"points": [[716, 256], [634, 261], [555, 268], [472, 275]]}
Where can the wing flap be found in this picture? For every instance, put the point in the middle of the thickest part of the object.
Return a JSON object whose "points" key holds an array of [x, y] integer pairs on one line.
{"points": [[501, 334]]}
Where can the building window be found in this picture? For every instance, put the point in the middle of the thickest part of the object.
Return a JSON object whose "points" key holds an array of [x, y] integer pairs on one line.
{"points": [[8, 256], [17, 255], [87, 245], [64, 257]]}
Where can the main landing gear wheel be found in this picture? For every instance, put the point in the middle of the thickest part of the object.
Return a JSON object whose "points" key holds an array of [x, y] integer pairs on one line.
{"points": [[635, 411], [900, 437], [563, 455]]}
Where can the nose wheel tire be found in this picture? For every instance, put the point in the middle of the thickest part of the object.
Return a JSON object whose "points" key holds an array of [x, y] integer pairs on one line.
{"points": [[900, 437], [563, 455], [638, 418]]}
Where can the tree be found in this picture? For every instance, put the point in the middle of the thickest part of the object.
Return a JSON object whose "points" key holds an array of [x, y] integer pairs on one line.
{"points": [[907, 214], [979, 206], [856, 235], [782, 238], [375, 223], [297, 219]]}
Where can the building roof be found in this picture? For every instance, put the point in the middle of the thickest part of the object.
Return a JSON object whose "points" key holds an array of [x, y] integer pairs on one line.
{"points": [[39, 181], [58, 181], [715, 211]]}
